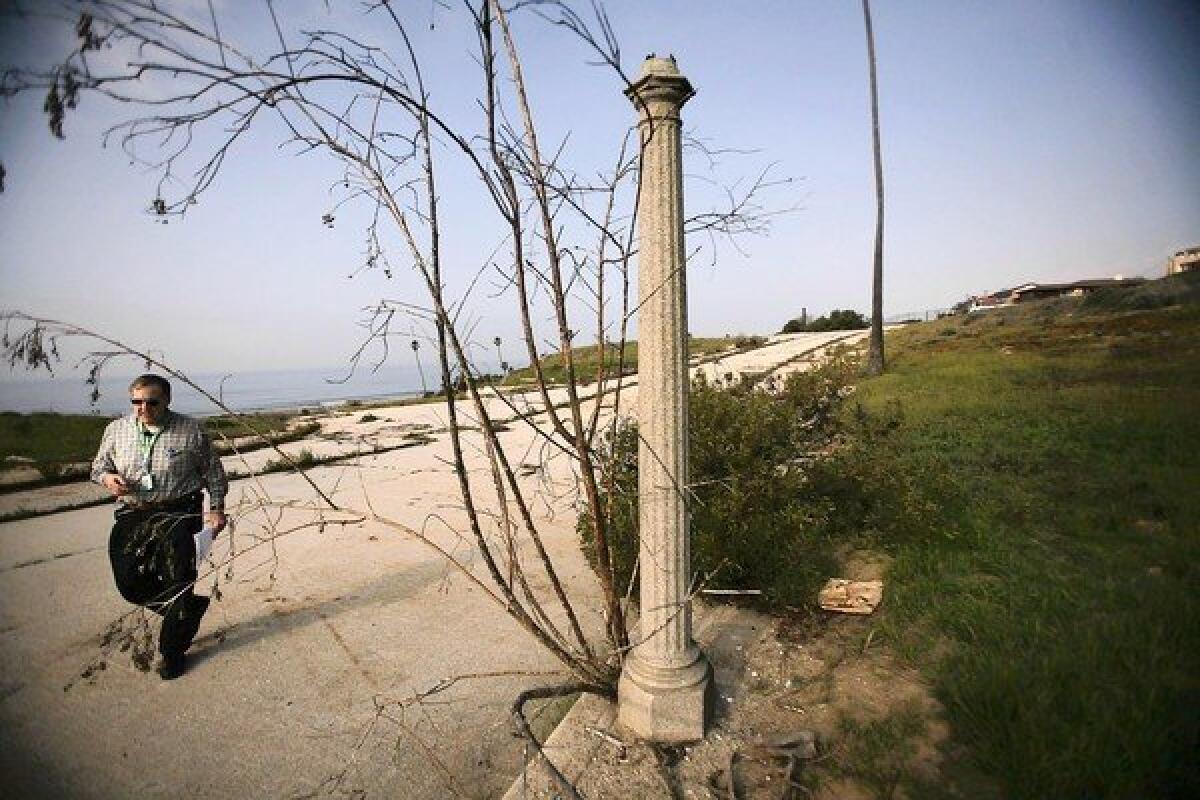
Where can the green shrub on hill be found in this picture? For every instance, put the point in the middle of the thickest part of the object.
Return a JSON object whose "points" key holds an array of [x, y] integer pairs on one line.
{"points": [[1179, 289], [764, 504], [838, 320]]}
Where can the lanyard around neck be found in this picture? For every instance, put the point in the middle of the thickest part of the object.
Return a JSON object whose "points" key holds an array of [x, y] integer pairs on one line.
{"points": [[146, 441]]}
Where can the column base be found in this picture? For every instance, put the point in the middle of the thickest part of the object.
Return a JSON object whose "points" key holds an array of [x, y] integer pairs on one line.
{"points": [[669, 706]]}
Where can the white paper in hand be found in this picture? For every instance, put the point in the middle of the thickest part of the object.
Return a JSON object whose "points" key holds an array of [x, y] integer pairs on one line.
{"points": [[204, 540]]}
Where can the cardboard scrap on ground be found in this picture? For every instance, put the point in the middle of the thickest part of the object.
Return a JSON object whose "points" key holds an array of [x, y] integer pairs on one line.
{"points": [[850, 597]]}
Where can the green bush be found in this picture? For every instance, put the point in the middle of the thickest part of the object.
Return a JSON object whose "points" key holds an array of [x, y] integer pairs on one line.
{"points": [[838, 320], [763, 494], [1180, 289], [796, 325]]}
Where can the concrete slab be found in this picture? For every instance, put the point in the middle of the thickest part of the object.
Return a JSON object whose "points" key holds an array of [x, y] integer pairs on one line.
{"points": [[589, 739], [299, 671], [306, 673]]}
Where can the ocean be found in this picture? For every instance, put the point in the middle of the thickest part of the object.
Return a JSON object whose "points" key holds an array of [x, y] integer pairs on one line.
{"points": [[67, 393]]}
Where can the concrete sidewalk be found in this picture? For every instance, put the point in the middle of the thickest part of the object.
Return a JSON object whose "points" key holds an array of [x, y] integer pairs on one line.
{"points": [[310, 636], [303, 677]]}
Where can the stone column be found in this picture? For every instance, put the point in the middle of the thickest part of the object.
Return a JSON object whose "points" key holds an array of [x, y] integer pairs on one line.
{"points": [[664, 689]]}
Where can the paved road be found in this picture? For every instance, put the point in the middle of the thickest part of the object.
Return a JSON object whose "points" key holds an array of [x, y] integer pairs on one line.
{"points": [[311, 635]]}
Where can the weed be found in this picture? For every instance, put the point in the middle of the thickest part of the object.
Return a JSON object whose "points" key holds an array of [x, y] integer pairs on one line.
{"points": [[303, 459]]}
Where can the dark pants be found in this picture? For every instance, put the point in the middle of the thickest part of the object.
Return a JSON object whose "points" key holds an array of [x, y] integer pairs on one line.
{"points": [[153, 555]]}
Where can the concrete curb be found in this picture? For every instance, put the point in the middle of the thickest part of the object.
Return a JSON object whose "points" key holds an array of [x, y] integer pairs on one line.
{"points": [[570, 747], [724, 632]]}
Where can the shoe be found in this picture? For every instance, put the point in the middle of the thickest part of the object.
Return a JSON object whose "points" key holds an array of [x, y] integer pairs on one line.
{"points": [[171, 667], [194, 613]]}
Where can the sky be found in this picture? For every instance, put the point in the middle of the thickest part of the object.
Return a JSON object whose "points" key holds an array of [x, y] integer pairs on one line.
{"points": [[1022, 141]]}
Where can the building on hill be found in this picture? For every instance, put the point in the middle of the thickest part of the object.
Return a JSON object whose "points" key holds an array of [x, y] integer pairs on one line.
{"points": [[986, 302], [1184, 261], [1037, 291]]}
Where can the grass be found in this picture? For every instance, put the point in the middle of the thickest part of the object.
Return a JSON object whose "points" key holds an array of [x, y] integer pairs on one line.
{"points": [[1049, 590], [877, 752], [302, 459], [1032, 473], [231, 427], [587, 359], [50, 438], [55, 442]]}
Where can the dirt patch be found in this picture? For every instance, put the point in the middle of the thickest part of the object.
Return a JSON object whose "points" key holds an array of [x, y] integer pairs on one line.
{"points": [[878, 730], [20, 475]]}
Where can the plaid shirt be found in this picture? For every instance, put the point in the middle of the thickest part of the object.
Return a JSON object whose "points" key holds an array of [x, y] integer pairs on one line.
{"points": [[182, 461]]}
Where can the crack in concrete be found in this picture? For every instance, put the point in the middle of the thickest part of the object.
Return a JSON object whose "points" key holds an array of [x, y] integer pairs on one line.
{"points": [[47, 559]]}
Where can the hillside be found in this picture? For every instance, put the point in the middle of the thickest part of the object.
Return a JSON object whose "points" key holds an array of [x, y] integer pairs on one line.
{"points": [[1048, 586]]}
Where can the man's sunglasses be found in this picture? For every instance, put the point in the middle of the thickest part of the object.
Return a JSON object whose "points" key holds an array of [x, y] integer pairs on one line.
{"points": [[150, 401]]}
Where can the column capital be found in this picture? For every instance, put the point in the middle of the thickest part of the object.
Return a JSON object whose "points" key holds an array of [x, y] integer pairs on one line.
{"points": [[660, 83]]}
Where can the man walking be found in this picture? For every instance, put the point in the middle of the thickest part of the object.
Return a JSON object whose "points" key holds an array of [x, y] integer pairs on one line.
{"points": [[155, 462]]}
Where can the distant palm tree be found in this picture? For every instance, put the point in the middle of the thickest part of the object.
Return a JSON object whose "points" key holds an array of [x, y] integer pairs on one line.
{"points": [[875, 347], [416, 348]]}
